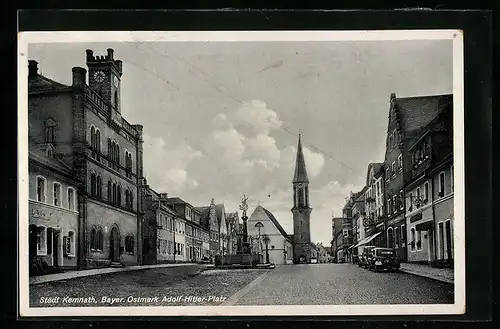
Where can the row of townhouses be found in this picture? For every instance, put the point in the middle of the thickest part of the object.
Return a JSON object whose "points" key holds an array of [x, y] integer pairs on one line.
{"points": [[89, 201], [407, 202]]}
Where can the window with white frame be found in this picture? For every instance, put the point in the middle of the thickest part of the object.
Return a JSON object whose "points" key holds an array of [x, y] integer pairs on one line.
{"points": [[417, 203], [387, 175], [69, 244], [389, 207], [403, 235], [410, 201], [400, 162], [401, 200], [394, 204], [40, 188], [426, 192], [71, 198], [41, 240], [393, 167], [56, 196], [441, 181]]}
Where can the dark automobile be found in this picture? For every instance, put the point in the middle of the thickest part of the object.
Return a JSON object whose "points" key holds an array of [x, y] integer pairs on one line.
{"points": [[383, 259], [363, 258]]}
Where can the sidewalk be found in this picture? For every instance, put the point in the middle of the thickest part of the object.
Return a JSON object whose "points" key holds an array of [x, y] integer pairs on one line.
{"points": [[440, 274], [97, 271]]}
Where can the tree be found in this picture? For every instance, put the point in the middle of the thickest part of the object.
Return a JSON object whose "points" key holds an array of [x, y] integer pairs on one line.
{"points": [[266, 239]]}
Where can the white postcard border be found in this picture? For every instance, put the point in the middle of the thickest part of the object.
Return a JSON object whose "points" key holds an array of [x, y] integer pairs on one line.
{"points": [[458, 307]]}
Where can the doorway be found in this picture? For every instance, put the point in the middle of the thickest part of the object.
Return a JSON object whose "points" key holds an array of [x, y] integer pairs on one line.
{"points": [[114, 245], [441, 240]]}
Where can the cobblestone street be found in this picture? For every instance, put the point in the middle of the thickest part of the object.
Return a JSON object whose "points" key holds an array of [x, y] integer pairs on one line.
{"points": [[344, 284], [315, 284], [138, 288]]}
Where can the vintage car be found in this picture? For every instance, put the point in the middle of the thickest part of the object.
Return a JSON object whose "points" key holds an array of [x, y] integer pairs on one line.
{"points": [[363, 258], [314, 260], [383, 259]]}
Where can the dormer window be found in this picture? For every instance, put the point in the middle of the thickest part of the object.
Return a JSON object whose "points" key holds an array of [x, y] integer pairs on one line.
{"points": [[50, 131]]}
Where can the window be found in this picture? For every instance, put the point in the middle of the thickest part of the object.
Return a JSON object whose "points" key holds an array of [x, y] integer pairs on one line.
{"points": [[100, 239], [441, 184], [419, 240], [389, 207], [387, 175], [41, 240], [69, 244], [119, 196], [390, 141], [40, 188], [49, 131], [93, 239], [403, 236], [396, 237], [57, 194], [393, 168], [418, 198], [410, 201], [113, 193], [394, 204], [400, 162], [71, 198], [129, 244], [412, 242], [426, 192], [93, 185], [401, 200], [99, 186]]}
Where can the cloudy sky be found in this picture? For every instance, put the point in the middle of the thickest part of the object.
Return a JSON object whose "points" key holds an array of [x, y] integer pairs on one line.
{"points": [[222, 119]]}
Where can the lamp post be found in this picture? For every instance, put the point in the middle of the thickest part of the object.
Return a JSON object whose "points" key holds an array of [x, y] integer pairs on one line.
{"points": [[259, 225]]}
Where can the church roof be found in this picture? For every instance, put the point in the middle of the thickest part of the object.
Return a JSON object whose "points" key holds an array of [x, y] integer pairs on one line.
{"points": [[277, 224], [300, 166], [41, 83]]}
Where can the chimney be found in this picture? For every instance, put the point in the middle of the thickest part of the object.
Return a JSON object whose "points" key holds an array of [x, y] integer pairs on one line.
{"points": [[32, 68], [79, 76], [110, 54]]}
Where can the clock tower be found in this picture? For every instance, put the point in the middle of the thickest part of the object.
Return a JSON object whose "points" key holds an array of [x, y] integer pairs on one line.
{"points": [[301, 211], [104, 77]]}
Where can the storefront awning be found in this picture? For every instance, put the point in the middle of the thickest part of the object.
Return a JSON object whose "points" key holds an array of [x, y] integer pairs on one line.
{"points": [[424, 226], [368, 239]]}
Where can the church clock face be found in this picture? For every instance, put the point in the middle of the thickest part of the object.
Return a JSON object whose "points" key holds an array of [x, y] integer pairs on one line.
{"points": [[115, 81], [99, 76]]}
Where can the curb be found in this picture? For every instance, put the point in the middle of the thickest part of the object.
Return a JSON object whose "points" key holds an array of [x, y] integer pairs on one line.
{"points": [[92, 272], [443, 280]]}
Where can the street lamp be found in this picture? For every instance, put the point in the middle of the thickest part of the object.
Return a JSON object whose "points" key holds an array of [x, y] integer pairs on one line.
{"points": [[259, 225]]}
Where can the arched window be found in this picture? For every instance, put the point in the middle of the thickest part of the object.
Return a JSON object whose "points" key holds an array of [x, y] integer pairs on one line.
{"points": [[49, 131], [92, 140], [390, 238], [98, 144], [129, 244], [71, 198], [119, 196], [100, 239], [110, 152], [117, 154], [114, 194], [110, 197], [99, 186], [131, 201], [56, 197], [93, 184], [115, 100], [41, 185], [307, 195], [93, 239], [127, 199]]}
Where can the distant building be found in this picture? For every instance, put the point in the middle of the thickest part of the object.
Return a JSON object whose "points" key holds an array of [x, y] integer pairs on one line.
{"points": [[196, 234], [233, 231], [83, 123], [280, 244], [336, 244], [301, 210], [53, 209], [321, 253]]}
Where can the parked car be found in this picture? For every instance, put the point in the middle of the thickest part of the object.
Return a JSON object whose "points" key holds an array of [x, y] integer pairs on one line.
{"points": [[383, 259], [206, 260], [314, 260], [363, 259]]}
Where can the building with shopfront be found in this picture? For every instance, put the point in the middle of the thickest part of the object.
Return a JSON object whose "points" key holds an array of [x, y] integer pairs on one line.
{"points": [[103, 150], [429, 202], [53, 209]]}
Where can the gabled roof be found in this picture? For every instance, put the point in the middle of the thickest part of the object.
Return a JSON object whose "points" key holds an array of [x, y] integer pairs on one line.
{"points": [[417, 112], [276, 223], [205, 215], [441, 123], [41, 83], [38, 154], [175, 200], [300, 166]]}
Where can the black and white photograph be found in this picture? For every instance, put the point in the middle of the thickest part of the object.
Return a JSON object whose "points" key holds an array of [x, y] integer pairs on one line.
{"points": [[241, 173]]}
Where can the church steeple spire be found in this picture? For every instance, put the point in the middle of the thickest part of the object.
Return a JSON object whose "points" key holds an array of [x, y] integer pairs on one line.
{"points": [[300, 165]]}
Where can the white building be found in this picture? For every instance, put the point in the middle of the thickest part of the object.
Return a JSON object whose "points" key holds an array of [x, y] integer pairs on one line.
{"points": [[263, 223]]}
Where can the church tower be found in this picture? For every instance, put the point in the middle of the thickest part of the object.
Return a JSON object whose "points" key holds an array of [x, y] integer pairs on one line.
{"points": [[301, 211]]}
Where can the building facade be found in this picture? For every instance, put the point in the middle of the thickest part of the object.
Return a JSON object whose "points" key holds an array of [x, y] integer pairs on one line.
{"points": [[373, 214], [429, 210], [103, 150], [336, 250], [279, 247], [53, 209], [301, 211]]}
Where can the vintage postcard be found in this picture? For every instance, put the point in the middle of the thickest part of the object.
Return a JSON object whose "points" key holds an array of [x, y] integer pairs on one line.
{"points": [[241, 173]]}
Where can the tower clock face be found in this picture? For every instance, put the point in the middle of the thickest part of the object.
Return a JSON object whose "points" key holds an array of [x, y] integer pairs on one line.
{"points": [[115, 81], [99, 76], [300, 185]]}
